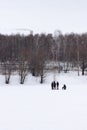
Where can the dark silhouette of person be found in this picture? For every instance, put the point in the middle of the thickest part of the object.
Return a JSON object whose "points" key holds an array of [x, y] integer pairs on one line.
{"points": [[64, 87], [52, 85], [57, 85]]}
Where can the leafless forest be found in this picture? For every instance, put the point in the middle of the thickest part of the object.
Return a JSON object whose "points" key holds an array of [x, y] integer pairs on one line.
{"points": [[35, 53]]}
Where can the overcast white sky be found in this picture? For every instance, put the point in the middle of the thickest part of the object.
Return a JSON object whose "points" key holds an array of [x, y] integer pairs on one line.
{"points": [[44, 15]]}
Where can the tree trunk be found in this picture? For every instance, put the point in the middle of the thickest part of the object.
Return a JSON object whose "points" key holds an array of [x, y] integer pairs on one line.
{"points": [[83, 68]]}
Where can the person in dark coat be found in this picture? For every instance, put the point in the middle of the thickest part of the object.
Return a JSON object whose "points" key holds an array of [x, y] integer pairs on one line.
{"points": [[52, 85], [57, 85], [64, 87]]}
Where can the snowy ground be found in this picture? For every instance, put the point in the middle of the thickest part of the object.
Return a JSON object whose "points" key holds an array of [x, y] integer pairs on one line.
{"points": [[36, 107]]}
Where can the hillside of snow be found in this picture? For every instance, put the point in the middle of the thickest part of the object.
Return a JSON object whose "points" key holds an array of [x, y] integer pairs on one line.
{"points": [[34, 106]]}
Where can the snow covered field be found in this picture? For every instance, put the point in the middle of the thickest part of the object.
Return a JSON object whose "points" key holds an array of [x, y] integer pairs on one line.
{"points": [[36, 107]]}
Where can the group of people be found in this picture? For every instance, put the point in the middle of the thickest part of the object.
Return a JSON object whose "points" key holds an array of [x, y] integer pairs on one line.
{"points": [[55, 86]]}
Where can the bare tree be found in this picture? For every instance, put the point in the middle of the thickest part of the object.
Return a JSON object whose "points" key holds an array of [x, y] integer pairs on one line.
{"points": [[83, 52], [23, 66]]}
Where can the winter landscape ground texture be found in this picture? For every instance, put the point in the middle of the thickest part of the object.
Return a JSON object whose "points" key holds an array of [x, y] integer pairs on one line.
{"points": [[33, 106]]}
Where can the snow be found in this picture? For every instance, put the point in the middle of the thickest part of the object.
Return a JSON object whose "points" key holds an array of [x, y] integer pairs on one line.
{"points": [[33, 106]]}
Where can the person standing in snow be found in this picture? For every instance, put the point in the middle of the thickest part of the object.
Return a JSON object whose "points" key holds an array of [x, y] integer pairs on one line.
{"points": [[52, 85], [57, 85]]}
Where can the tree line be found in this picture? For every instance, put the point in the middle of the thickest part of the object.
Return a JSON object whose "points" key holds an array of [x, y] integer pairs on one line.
{"points": [[31, 54]]}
